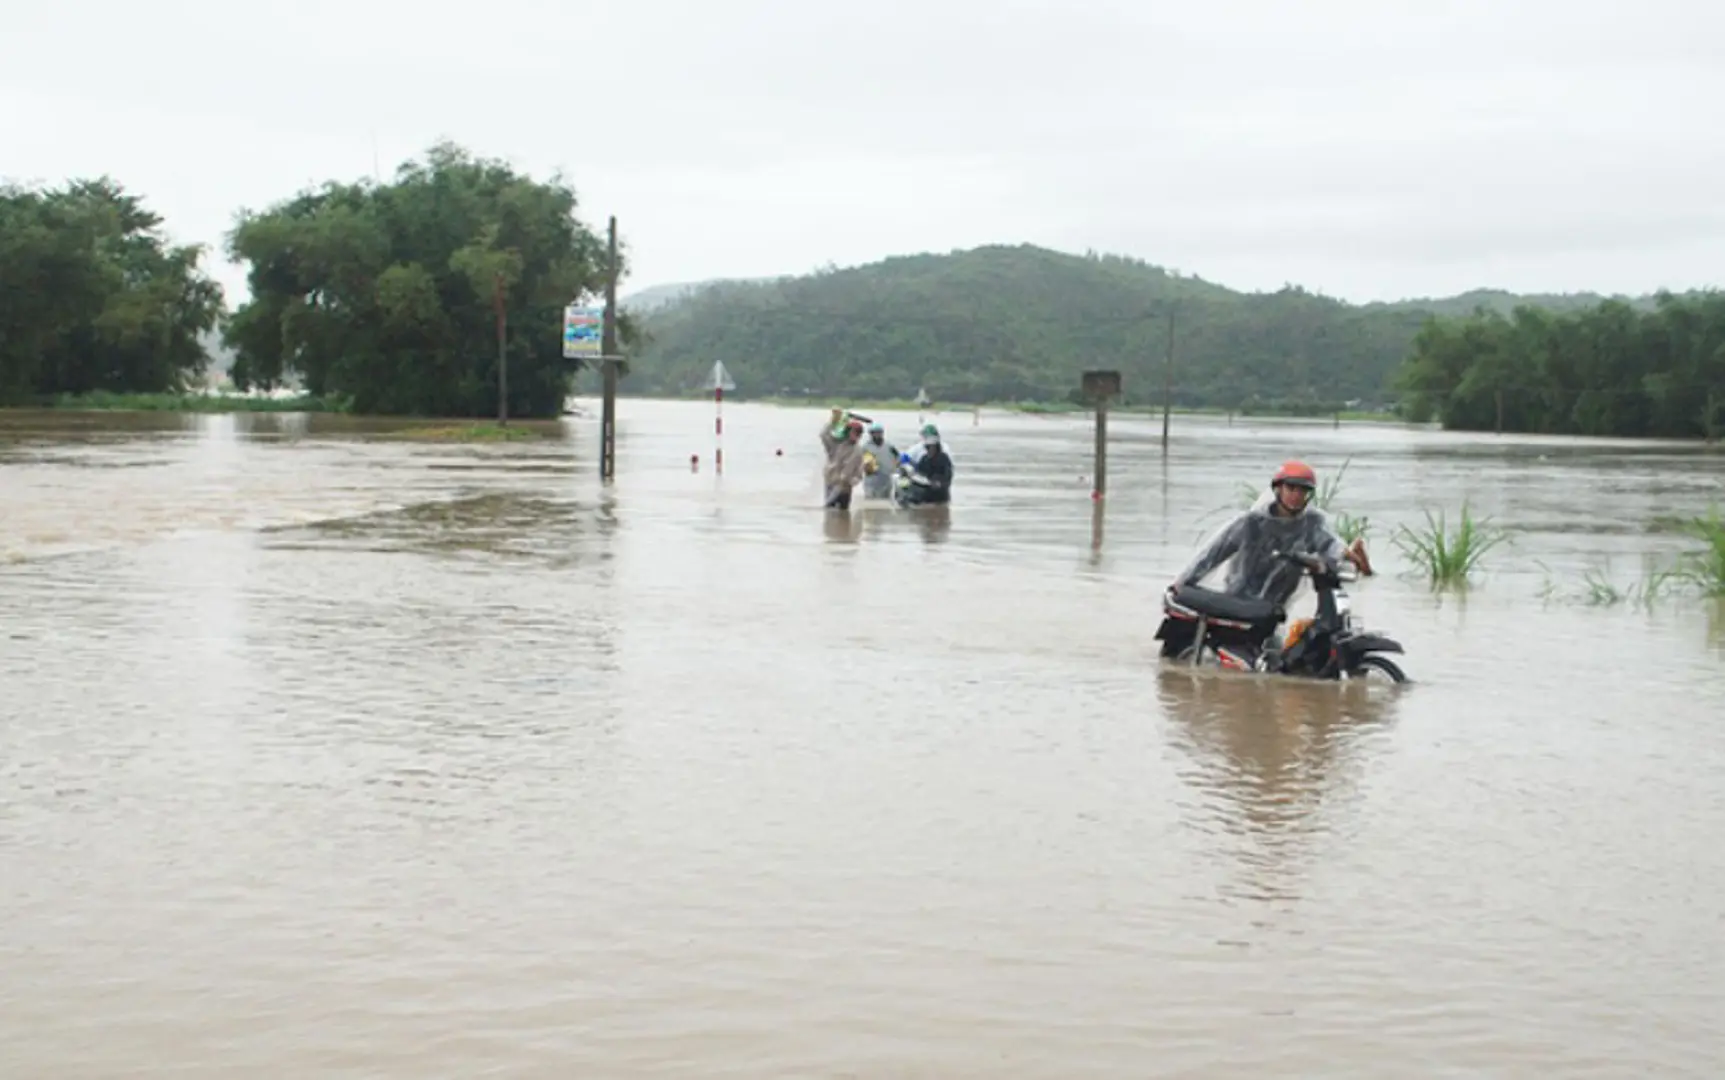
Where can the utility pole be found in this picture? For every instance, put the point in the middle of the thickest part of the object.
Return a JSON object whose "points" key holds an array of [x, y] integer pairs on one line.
{"points": [[1099, 466], [1099, 387], [502, 353], [608, 358], [1168, 380]]}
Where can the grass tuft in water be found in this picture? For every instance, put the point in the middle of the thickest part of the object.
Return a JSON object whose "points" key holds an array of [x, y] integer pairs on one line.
{"points": [[1598, 587], [1351, 528], [1445, 557], [1347, 526], [1704, 569], [1601, 591]]}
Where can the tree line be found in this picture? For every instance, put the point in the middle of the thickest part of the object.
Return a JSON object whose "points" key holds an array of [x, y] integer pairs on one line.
{"points": [[1610, 369], [384, 294], [93, 297]]}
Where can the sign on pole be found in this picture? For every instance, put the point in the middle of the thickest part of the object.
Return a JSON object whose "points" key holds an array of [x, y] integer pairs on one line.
{"points": [[583, 332], [720, 379]]}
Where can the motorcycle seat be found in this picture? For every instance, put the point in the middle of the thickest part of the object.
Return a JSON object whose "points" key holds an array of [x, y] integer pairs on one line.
{"points": [[1220, 605]]}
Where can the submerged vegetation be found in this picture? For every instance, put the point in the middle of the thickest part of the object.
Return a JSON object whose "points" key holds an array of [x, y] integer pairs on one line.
{"points": [[1704, 569], [1599, 588], [1348, 527], [1444, 557], [1696, 572]]}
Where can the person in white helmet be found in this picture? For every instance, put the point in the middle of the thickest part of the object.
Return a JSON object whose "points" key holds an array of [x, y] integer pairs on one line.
{"points": [[879, 459]]}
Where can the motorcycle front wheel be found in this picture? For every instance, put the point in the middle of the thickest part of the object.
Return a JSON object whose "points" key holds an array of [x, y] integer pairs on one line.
{"points": [[1381, 664]]}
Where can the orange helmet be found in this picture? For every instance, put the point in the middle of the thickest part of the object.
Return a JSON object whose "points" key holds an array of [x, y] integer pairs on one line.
{"points": [[1295, 474]]}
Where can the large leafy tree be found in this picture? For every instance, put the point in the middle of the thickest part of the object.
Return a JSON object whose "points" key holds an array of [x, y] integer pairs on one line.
{"points": [[94, 297], [1609, 369], [386, 293]]}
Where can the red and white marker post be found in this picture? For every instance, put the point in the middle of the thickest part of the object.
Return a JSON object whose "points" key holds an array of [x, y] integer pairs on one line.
{"points": [[720, 381]]}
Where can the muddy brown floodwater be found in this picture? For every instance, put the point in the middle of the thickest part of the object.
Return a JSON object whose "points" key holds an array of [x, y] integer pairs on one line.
{"points": [[326, 754]]}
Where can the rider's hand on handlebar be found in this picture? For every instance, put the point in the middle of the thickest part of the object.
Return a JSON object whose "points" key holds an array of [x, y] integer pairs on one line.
{"points": [[1356, 554]]}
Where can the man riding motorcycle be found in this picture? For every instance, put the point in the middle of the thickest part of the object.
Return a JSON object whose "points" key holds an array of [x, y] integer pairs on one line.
{"points": [[1281, 522], [916, 452], [933, 466]]}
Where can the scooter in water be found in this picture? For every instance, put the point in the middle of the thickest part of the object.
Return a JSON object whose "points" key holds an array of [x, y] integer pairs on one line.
{"points": [[1202, 626], [911, 488]]}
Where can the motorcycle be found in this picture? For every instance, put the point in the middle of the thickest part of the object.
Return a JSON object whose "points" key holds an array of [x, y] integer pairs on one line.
{"points": [[911, 488], [1205, 626]]}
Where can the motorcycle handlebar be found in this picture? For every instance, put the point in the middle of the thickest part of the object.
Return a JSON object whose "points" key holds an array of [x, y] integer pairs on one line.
{"points": [[1343, 570]]}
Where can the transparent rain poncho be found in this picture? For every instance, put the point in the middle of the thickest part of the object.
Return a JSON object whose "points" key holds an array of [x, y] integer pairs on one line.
{"points": [[1247, 544]]}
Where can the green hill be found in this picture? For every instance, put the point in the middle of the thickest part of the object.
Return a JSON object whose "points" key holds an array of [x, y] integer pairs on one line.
{"points": [[1002, 323]]}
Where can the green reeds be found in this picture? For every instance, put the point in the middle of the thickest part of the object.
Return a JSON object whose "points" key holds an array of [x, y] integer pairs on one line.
{"points": [[1444, 557], [1704, 569], [1347, 526], [1598, 588]]}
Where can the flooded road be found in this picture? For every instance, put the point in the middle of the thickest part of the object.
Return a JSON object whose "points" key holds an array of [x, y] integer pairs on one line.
{"points": [[328, 754]]}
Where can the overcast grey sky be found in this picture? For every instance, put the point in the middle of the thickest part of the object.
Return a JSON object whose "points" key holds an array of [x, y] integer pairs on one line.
{"points": [[1369, 149]]}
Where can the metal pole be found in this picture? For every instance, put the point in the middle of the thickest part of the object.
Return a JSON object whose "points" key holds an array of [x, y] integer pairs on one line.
{"points": [[1100, 469], [718, 427], [502, 355], [1168, 381], [608, 358]]}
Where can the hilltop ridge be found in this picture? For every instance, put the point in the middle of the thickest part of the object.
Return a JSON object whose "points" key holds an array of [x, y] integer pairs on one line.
{"points": [[1018, 322]]}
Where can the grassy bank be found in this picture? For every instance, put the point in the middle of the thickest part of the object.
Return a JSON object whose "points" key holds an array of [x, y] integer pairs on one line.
{"points": [[102, 400], [515, 431], [432, 429]]}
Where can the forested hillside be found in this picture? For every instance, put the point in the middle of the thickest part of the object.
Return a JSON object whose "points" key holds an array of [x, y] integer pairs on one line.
{"points": [[1019, 323], [1611, 369]]}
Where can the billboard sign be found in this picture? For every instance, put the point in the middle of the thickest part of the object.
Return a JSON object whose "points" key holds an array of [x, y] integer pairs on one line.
{"points": [[583, 332]]}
